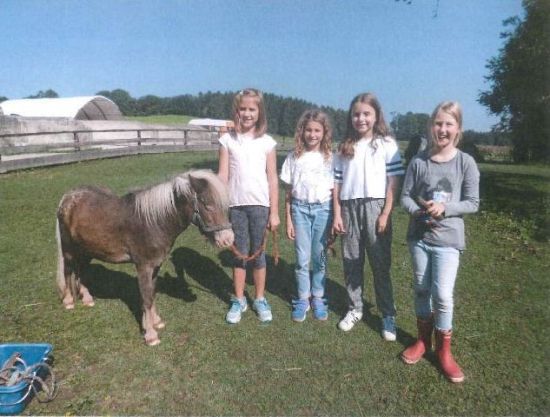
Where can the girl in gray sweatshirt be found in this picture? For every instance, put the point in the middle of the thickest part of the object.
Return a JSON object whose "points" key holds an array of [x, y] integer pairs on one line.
{"points": [[441, 185]]}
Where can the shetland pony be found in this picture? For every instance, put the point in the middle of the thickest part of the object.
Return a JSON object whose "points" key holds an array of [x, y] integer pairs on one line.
{"points": [[140, 228]]}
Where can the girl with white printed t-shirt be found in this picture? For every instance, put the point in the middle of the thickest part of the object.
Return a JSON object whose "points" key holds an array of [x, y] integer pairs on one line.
{"points": [[307, 171]]}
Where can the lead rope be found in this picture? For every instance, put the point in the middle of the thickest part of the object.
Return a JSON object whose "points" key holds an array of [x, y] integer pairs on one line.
{"points": [[330, 244], [11, 375], [274, 249]]}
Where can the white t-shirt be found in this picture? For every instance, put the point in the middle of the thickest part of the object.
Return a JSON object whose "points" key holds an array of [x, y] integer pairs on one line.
{"points": [[247, 168], [364, 175], [310, 176]]}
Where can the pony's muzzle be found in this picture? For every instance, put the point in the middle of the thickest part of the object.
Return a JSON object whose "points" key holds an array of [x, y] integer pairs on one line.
{"points": [[224, 238]]}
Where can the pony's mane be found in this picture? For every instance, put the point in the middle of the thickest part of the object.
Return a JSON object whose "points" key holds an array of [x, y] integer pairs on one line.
{"points": [[158, 202]]}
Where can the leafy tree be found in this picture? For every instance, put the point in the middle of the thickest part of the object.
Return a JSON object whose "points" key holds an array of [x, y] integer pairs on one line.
{"points": [[148, 105], [520, 83], [125, 102], [45, 94], [410, 125]]}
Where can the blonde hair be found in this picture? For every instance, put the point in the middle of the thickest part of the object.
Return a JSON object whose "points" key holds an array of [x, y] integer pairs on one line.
{"points": [[326, 142], [452, 108], [261, 125], [380, 128]]}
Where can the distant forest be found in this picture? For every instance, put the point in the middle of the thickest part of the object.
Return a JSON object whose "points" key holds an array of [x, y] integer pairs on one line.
{"points": [[282, 113]]}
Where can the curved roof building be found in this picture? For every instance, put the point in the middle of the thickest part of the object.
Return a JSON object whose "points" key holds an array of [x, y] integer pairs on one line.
{"points": [[78, 108]]}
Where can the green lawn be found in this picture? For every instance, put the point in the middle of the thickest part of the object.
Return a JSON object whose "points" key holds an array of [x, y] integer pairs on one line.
{"points": [[206, 367], [162, 119]]}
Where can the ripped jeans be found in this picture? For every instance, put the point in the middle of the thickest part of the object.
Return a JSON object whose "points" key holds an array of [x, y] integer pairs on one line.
{"points": [[435, 269]]}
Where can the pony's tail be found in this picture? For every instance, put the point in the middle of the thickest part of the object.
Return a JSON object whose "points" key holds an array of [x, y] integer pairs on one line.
{"points": [[61, 284]]}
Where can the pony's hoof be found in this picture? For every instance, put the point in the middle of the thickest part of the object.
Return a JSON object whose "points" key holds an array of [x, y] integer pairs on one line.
{"points": [[160, 325], [68, 306], [153, 342], [88, 303]]}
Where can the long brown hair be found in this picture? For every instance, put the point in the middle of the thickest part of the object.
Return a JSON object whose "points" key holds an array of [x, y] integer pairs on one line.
{"points": [[320, 117], [380, 128], [261, 125]]}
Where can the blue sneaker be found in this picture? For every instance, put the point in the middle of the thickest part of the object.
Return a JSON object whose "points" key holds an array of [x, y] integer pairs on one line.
{"points": [[238, 306], [389, 332], [299, 309], [263, 309], [320, 310]]}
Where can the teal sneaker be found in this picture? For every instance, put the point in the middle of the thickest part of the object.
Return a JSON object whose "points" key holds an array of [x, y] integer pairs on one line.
{"points": [[237, 307], [299, 309], [320, 310], [263, 309], [389, 332]]}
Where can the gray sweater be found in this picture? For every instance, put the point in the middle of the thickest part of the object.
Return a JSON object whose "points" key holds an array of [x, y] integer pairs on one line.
{"points": [[454, 183]]}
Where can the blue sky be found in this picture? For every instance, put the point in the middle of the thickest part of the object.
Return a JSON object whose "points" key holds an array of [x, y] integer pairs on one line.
{"points": [[321, 51]]}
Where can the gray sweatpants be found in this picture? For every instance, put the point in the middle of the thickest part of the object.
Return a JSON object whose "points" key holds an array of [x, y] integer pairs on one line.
{"points": [[359, 217]]}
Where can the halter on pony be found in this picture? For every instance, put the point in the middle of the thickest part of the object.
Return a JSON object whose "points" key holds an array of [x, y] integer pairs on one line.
{"points": [[199, 222]]}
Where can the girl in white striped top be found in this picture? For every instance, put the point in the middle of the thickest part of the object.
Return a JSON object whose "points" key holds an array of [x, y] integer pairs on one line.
{"points": [[367, 168]]}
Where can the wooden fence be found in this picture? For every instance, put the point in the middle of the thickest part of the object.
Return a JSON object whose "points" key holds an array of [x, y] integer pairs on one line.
{"points": [[16, 155]]}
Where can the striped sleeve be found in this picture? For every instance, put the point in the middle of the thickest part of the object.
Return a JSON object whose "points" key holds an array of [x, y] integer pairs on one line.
{"points": [[394, 165], [337, 169]]}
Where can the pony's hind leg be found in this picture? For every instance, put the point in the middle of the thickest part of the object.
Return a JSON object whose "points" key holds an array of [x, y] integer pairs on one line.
{"points": [[65, 271], [83, 292], [86, 297], [70, 278]]}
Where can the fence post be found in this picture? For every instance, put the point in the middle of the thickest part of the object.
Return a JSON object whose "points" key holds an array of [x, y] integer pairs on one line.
{"points": [[185, 137], [76, 142], [139, 137]]}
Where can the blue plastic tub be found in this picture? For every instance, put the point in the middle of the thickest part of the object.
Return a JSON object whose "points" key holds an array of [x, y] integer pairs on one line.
{"points": [[14, 399]]}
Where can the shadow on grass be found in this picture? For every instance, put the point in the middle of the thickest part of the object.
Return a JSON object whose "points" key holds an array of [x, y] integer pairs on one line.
{"points": [[105, 283], [188, 262], [524, 196]]}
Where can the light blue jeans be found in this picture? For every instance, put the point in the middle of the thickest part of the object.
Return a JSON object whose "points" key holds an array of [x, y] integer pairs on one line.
{"points": [[435, 269], [312, 222]]}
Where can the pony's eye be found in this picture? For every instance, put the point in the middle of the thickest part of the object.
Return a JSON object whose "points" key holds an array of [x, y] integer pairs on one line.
{"points": [[205, 205]]}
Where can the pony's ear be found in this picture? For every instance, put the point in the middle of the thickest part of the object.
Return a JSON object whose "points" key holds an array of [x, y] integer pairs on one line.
{"points": [[198, 184]]}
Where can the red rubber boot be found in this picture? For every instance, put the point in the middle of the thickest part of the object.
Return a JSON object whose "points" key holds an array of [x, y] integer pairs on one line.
{"points": [[414, 352], [446, 361]]}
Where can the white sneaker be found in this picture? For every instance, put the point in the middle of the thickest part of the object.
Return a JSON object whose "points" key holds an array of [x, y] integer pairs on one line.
{"points": [[352, 317], [388, 329], [236, 309]]}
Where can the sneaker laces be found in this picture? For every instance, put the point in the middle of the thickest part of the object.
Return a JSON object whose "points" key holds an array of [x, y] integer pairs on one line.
{"points": [[352, 317], [236, 305]]}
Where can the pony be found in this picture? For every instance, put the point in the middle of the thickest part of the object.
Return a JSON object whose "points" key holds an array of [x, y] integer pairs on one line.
{"points": [[140, 228]]}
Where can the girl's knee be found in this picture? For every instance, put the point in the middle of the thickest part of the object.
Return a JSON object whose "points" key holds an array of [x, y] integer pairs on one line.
{"points": [[443, 303], [422, 293]]}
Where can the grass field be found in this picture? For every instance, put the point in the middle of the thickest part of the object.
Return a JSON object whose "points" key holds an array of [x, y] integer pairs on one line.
{"points": [[206, 367], [162, 119]]}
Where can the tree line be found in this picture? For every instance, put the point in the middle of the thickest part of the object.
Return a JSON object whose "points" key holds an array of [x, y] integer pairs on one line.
{"points": [[282, 112]]}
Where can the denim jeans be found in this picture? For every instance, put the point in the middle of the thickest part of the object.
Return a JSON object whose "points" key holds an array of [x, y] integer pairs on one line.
{"points": [[312, 222], [435, 269]]}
